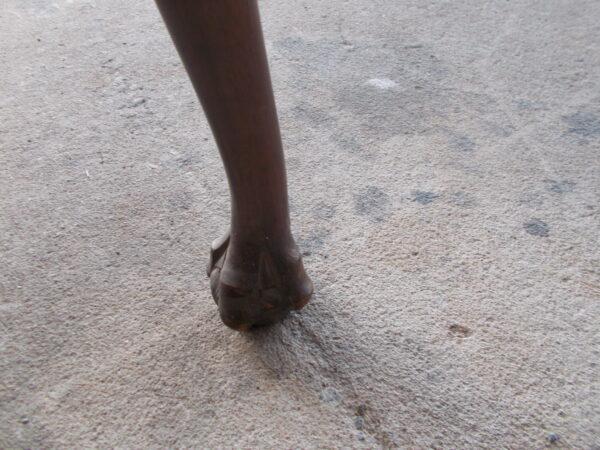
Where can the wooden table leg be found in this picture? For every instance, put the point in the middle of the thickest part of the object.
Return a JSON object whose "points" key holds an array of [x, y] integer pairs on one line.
{"points": [[256, 270]]}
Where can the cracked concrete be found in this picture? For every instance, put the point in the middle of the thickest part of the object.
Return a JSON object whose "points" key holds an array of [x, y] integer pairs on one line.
{"points": [[444, 181]]}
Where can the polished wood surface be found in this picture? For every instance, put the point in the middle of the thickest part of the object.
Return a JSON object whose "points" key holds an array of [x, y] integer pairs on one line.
{"points": [[256, 270]]}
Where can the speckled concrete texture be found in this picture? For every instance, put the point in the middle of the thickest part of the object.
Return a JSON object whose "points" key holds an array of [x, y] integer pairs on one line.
{"points": [[444, 173]]}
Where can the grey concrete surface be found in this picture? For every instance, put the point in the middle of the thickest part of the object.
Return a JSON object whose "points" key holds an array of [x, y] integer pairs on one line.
{"points": [[444, 171]]}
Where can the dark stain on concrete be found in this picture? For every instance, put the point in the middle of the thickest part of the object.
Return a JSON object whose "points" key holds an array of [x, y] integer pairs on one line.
{"points": [[409, 108], [464, 144], [313, 241], [384, 113], [329, 394], [316, 117], [560, 187], [289, 43], [183, 200], [359, 423], [537, 227], [347, 142], [373, 202], [189, 160], [423, 197], [324, 211], [584, 124]]}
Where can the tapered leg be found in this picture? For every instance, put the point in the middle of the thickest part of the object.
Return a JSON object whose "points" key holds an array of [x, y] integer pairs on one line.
{"points": [[256, 270]]}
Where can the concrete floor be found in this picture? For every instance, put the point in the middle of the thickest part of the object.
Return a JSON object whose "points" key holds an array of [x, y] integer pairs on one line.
{"points": [[445, 188]]}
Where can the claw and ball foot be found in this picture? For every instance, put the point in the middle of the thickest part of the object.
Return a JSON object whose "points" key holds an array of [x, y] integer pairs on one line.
{"points": [[261, 293], [256, 272]]}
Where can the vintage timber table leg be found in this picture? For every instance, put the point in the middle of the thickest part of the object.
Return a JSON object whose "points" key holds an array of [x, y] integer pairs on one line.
{"points": [[256, 270]]}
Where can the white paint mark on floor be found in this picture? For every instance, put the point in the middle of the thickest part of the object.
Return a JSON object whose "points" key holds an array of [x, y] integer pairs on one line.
{"points": [[381, 83]]}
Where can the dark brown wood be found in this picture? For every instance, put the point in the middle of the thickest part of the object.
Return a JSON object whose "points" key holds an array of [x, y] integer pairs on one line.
{"points": [[256, 270]]}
